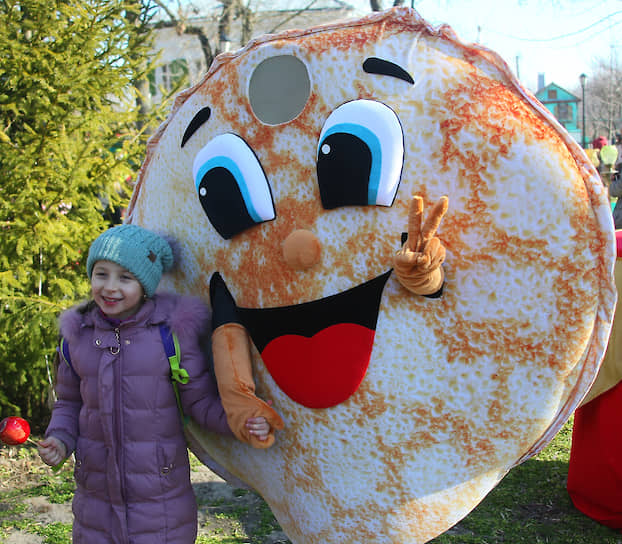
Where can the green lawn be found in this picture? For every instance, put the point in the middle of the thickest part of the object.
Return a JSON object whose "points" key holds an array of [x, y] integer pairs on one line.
{"points": [[529, 506]]}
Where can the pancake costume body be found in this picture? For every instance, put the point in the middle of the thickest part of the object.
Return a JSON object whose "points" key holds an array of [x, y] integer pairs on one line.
{"points": [[288, 174]]}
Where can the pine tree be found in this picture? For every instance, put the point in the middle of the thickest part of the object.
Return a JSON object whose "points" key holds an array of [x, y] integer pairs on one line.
{"points": [[72, 136]]}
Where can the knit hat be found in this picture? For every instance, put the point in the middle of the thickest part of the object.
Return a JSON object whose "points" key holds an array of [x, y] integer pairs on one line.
{"points": [[144, 253]]}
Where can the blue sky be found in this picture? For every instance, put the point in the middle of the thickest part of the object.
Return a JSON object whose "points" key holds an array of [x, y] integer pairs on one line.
{"points": [[559, 38]]}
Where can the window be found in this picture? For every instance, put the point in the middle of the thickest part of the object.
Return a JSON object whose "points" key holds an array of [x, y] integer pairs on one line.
{"points": [[167, 76], [563, 112]]}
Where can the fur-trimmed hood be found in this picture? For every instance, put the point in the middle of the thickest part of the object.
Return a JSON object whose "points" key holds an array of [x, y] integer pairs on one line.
{"points": [[184, 315]]}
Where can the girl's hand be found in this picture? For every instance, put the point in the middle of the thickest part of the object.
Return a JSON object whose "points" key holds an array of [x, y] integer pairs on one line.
{"points": [[52, 451], [258, 427]]}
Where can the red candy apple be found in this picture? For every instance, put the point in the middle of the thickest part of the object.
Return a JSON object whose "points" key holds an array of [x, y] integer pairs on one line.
{"points": [[14, 430]]}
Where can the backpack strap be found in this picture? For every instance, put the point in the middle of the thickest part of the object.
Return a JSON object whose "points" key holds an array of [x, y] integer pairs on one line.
{"points": [[63, 351], [171, 348], [173, 353], [178, 374]]}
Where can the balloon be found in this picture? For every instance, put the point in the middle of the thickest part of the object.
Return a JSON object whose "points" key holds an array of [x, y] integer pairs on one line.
{"points": [[609, 154]]}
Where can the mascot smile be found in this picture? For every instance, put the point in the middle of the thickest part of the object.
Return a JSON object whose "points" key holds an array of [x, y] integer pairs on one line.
{"points": [[332, 337]]}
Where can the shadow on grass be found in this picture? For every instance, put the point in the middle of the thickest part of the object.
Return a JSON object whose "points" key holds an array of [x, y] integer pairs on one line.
{"points": [[529, 506], [232, 516]]}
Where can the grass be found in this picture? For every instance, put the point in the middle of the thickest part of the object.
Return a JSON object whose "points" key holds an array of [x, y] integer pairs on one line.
{"points": [[22, 477], [529, 506]]}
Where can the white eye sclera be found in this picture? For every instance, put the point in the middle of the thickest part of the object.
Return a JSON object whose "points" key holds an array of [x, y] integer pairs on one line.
{"points": [[231, 185], [360, 155]]}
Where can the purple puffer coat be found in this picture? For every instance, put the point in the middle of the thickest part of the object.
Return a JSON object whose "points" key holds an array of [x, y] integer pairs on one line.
{"points": [[121, 418]]}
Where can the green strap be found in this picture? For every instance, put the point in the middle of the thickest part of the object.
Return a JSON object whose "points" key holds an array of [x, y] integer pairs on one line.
{"points": [[178, 375]]}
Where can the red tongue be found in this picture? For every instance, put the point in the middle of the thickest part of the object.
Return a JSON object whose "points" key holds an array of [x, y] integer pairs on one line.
{"points": [[323, 370]]}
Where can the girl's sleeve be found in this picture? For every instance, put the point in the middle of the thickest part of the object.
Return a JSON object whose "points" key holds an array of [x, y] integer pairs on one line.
{"points": [[199, 397], [65, 414]]}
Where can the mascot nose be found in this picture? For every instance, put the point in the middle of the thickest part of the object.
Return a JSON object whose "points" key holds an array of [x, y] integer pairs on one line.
{"points": [[302, 249]]}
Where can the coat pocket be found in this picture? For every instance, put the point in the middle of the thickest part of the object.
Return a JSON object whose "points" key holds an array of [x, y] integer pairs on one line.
{"points": [[173, 465], [90, 466]]}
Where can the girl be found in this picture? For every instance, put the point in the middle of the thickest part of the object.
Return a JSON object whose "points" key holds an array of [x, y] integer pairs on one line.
{"points": [[116, 405]]}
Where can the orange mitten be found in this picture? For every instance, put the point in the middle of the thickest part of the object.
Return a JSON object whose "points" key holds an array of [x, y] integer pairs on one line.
{"points": [[232, 364], [417, 264]]}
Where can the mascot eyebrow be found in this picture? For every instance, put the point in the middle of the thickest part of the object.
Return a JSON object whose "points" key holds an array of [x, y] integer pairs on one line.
{"points": [[374, 65], [201, 117]]}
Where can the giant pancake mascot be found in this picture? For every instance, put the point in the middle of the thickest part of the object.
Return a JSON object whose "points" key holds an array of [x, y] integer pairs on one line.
{"points": [[419, 254]]}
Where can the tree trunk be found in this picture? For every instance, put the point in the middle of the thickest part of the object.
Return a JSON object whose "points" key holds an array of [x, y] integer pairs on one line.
{"points": [[376, 5], [224, 25], [206, 48], [248, 21]]}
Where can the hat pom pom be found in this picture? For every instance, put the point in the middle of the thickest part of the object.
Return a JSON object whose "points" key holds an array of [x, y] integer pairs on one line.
{"points": [[171, 260]]}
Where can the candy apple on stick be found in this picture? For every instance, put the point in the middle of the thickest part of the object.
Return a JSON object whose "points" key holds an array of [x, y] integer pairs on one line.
{"points": [[14, 431]]}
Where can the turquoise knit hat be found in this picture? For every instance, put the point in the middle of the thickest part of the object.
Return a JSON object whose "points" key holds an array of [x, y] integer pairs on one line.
{"points": [[144, 253]]}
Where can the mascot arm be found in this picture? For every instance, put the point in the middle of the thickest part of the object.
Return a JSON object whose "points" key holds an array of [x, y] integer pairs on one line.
{"points": [[233, 369], [417, 264]]}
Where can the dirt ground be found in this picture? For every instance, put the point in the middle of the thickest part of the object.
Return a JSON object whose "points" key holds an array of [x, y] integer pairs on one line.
{"points": [[217, 501]]}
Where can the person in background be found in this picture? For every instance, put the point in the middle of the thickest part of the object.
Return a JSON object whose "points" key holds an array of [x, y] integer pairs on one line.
{"points": [[595, 466], [615, 191], [599, 143]]}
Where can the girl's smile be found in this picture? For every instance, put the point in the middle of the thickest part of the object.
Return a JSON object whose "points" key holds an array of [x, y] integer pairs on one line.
{"points": [[115, 290]]}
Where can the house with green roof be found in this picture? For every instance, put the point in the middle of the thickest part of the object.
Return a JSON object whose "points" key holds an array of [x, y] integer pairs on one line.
{"points": [[564, 106]]}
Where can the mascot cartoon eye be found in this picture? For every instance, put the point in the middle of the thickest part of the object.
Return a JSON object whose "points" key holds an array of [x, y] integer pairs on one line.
{"points": [[231, 185], [360, 155]]}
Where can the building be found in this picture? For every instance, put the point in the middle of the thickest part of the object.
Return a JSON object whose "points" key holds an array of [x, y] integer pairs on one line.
{"points": [[181, 53], [563, 105]]}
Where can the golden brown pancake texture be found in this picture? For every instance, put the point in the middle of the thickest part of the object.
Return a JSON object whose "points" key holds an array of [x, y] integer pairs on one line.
{"points": [[401, 411]]}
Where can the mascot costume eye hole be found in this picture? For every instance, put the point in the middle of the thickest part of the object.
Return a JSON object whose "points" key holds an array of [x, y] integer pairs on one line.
{"points": [[360, 155], [232, 186]]}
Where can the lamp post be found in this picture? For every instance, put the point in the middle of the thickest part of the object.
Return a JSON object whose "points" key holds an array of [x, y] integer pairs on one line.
{"points": [[582, 79]]}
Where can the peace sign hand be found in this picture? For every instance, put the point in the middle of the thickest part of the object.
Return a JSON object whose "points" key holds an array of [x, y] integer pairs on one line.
{"points": [[417, 264]]}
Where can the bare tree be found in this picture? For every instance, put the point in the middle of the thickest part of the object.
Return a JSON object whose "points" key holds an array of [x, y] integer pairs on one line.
{"points": [[141, 19], [180, 21], [376, 5], [292, 16], [234, 9], [603, 99]]}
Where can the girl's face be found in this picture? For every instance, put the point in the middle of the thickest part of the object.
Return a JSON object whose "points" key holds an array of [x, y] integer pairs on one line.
{"points": [[115, 290]]}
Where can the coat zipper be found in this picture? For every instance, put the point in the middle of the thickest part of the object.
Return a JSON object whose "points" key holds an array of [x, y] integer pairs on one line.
{"points": [[115, 349], [118, 407]]}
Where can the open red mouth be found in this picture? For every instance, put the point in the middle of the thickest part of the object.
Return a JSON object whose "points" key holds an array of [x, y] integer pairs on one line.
{"points": [[317, 352]]}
